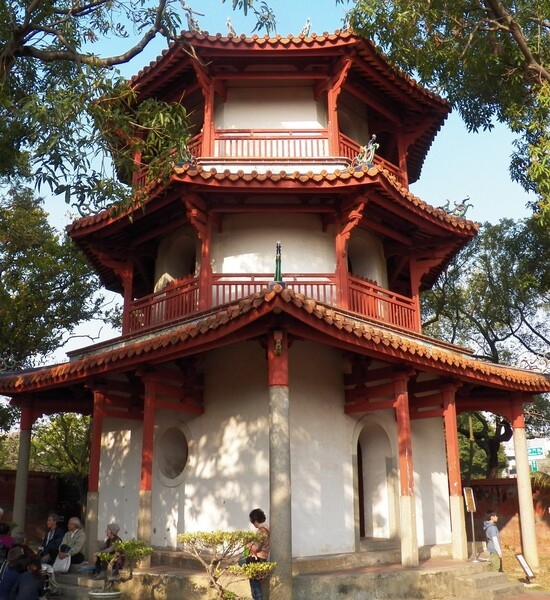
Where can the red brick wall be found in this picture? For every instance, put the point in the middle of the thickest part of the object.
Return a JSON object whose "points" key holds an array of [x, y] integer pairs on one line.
{"points": [[42, 498], [502, 495]]}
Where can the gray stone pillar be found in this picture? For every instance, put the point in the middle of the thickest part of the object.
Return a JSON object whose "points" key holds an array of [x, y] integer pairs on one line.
{"points": [[21, 480], [525, 499], [280, 495], [92, 524], [22, 475]]}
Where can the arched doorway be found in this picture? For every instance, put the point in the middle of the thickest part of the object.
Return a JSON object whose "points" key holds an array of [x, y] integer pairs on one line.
{"points": [[377, 484]]}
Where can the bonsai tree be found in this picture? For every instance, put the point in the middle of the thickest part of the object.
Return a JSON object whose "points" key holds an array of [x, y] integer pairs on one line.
{"points": [[218, 552], [121, 564]]}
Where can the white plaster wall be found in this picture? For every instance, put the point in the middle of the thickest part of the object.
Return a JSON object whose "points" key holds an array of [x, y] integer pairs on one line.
{"points": [[228, 471], [377, 488], [431, 482], [229, 474], [270, 108], [119, 476], [366, 256], [176, 257], [247, 244], [169, 496], [321, 450]]}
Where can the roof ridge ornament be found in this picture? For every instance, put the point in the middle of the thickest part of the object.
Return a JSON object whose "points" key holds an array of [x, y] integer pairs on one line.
{"points": [[366, 154], [277, 277]]}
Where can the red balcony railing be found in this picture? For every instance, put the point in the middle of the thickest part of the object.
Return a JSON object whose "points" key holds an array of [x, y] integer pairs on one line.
{"points": [[378, 303], [276, 144], [181, 299], [270, 143]]}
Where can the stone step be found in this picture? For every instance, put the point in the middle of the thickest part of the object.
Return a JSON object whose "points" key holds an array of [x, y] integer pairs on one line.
{"points": [[489, 584]]}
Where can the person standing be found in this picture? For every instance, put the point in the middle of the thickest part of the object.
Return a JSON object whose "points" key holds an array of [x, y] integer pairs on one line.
{"points": [[258, 551], [52, 540], [492, 535], [73, 542]]}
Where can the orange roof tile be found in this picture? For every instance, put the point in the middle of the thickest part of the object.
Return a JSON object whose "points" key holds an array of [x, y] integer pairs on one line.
{"points": [[338, 327]]}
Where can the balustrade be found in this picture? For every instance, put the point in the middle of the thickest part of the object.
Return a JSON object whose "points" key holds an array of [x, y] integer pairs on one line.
{"points": [[181, 299]]}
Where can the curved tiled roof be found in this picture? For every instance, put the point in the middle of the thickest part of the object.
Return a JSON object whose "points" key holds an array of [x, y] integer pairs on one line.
{"points": [[338, 327], [196, 174], [290, 42]]}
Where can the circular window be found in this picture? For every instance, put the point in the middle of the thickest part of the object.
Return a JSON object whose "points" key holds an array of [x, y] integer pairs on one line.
{"points": [[173, 453]]}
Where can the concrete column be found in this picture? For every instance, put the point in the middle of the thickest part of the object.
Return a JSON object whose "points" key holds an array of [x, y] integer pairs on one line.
{"points": [[525, 495], [280, 517], [407, 503], [92, 525], [22, 475], [456, 503]]}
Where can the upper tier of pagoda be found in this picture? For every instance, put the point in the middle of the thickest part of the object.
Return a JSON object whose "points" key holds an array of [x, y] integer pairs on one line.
{"points": [[279, 151], [264, 103]]}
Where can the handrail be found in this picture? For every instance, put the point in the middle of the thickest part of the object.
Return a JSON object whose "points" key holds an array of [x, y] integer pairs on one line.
{"points": [[181, 299]]}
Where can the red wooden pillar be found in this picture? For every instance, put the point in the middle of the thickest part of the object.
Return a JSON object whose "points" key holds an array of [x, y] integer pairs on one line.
{"points": [[342, 291], [92, 498], [146, 482], [415, 288], [127, 283], [205, 275], [458, 525], [409, 540], [279, 464]]}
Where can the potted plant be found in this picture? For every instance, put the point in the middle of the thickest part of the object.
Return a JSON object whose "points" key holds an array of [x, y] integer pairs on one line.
{"points": [[218, 553], [120, 566]]}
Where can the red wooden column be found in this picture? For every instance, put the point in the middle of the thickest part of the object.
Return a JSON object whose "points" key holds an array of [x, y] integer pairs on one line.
{"points": [[127, 282], [458, 524], [146, 482], [92, 498], [525, 497], [279, 465], [22, 476], [205, 275], [409, 539]]}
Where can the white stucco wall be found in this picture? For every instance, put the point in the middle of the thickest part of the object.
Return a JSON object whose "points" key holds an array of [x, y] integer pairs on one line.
{"points": [[228, 471], [270, 108], [431, 482], [119, 476], [378, 440], [176, 257], [366, 257], [247, 244], [321, 449]]}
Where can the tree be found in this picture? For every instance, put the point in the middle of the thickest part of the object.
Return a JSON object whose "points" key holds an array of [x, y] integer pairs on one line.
{"points": [[217, 552], [60, 102], [494, 296], [47, 287], [61, 444], [490, 58], [480, 445]]}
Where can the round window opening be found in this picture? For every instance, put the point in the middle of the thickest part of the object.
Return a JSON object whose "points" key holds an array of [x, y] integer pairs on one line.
{"points": [[173, 453]]}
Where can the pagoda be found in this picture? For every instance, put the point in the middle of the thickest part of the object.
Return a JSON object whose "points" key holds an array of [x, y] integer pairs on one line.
{"points": [[271, 351]]}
